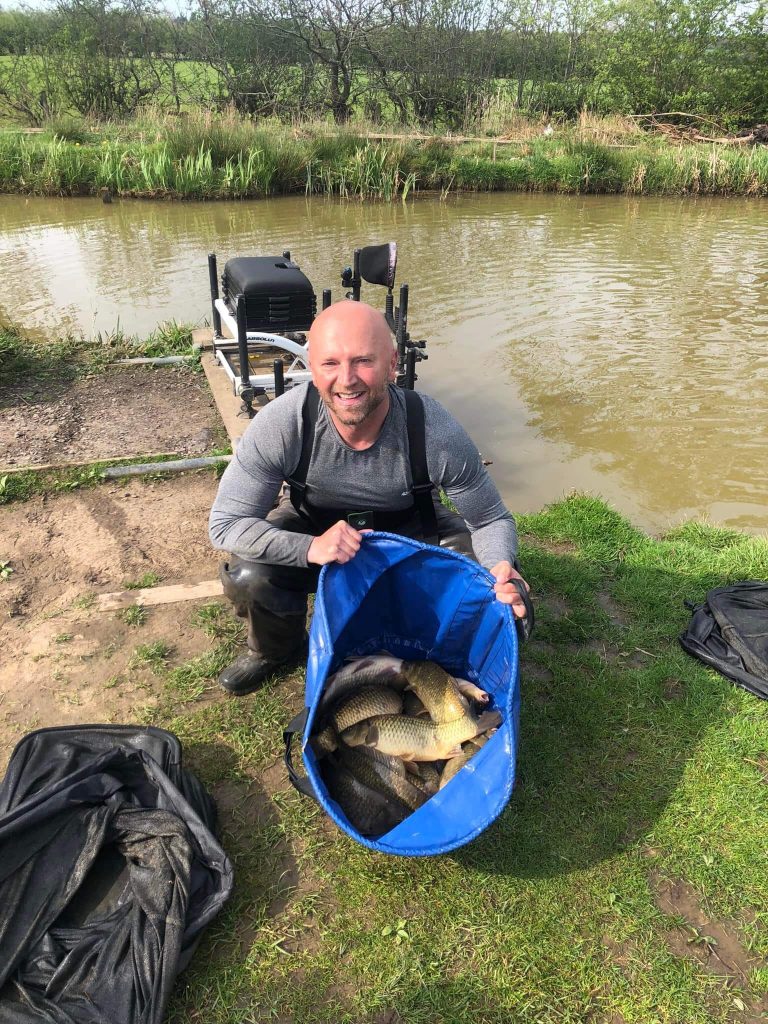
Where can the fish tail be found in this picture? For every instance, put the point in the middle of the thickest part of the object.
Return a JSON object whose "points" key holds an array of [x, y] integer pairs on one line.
{"points": [[488, 720]]}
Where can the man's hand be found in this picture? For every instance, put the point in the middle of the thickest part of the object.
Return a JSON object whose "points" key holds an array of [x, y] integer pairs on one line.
{"points": [[507, 592], [339, 544]]}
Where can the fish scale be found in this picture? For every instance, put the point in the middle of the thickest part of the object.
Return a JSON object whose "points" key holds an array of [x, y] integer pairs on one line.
{"points": [[417, 740], [366, 703], [436, 690], [379, 774]]}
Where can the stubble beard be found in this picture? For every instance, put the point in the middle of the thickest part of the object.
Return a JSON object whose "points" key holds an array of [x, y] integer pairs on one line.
{"points": [[354, 417]]}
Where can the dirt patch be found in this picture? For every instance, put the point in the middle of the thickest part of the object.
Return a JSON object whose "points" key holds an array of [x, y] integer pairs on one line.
{"points": [[713, 944], [552, 547], [387, 1017], [119, 413], [621, 954], [531, 672], [65, 663], [556, 606], [614, 612], [673, 689], [760, 762]]}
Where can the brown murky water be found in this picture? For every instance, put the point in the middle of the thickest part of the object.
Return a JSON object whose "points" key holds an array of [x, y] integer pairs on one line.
{"points": [[606, 344]]}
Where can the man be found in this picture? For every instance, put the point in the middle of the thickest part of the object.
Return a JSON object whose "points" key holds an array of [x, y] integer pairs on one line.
{"points": [[350, 450]]}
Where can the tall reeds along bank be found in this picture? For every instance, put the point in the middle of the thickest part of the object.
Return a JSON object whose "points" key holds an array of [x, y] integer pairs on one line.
{"points": [[348, 166]]}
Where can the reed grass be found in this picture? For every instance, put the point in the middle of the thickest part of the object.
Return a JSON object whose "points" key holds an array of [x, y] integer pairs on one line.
{"points": [[202, 157], [24, 360]]}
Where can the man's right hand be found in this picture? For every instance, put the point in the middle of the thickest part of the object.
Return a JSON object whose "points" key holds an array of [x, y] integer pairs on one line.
{"points": [[339, 544]]}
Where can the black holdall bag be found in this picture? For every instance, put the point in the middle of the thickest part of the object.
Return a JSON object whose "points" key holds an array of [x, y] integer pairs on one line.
{"points": [[109, 874], [729, 632]]}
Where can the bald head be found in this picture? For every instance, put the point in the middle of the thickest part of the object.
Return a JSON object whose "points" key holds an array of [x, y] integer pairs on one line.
{"points": [[348, 320], [352, 359]]}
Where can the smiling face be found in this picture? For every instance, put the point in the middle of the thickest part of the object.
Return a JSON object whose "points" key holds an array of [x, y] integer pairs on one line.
{"points": [[352, 359]]}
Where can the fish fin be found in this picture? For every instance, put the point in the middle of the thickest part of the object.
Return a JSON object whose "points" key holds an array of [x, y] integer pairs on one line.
{"points": [[372, 736], [410, 766], [471, 690], [488, 720], [453, 752]]}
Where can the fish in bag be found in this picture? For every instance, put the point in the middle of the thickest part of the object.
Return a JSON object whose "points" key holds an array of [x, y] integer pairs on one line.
{"points": [[417, 603]]}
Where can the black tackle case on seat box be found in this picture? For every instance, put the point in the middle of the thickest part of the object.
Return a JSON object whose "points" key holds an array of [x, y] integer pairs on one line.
{"points": [[278, 296]]}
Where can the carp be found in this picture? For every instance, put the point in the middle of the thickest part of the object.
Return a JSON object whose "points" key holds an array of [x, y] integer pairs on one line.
{"points": [[366, 703], [369, 811], [468, 751], [372, 670], [436, 690], [382, 773], [416, 740]]}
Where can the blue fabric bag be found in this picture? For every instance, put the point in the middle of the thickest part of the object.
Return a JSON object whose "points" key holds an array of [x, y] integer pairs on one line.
{"points": [[418, 602]]}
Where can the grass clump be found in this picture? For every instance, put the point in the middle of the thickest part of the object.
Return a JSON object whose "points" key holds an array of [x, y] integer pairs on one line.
{"points": [[154, 656], [23, 360], [20, 486], [27, 364], [143, 582], [133, 615]]}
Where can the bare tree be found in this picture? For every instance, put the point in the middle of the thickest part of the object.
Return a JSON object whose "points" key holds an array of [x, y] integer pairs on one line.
{"points": [[100, 51], [255, 69], [30, 89], [332, 34], [435, 58]]}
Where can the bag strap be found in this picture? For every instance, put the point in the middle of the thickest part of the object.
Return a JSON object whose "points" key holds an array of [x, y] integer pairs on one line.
{"points": [[299, 782], [298, 479], [417, 450], [525, 625]]}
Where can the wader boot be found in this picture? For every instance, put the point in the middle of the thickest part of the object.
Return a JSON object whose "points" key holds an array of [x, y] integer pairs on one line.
{"points": [[273, 600]]}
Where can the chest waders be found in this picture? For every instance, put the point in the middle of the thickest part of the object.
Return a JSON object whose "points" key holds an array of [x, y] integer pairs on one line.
{"points": [[273, 598], [422, 509]]}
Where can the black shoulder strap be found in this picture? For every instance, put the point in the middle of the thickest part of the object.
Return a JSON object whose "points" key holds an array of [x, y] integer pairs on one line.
{"points": [[417, 448], [298, 479]]}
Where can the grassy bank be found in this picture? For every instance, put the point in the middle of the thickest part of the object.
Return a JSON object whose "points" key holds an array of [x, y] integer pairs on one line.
{"points": [[626, 880], [25, 360], [200, 157]]}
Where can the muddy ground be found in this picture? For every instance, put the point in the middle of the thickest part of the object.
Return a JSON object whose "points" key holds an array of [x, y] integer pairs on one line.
{"points": [[63, 661], [117, 413]]}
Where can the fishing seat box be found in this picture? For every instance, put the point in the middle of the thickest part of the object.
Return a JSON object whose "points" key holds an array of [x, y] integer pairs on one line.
{"points": [[278, 296]]}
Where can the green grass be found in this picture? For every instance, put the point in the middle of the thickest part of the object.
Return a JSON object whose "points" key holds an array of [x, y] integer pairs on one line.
{"points": [[633, 768], [148, 579], [204, 157], [154, 656], [29, 364], [133, 615], [22, 485]]}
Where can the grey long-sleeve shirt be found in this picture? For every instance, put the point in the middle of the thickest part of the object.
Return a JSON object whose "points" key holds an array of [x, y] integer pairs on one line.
{"points": [[377, 478]]}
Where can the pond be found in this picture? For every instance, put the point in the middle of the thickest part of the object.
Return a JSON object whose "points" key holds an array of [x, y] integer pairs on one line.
{"points": [[607, 344]]}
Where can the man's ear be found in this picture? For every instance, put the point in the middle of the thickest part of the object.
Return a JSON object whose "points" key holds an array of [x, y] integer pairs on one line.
{"points": [[393, 365]]}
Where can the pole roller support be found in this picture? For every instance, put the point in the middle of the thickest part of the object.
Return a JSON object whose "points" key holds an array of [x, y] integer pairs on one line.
{"points": [[214, 282]]}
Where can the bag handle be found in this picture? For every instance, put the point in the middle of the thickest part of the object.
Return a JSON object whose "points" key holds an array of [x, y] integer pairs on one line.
{"points": [[299, 782], [525, 625]]}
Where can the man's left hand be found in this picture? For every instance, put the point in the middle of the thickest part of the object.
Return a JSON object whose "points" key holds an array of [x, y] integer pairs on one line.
{"points": [[507, 592]]}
